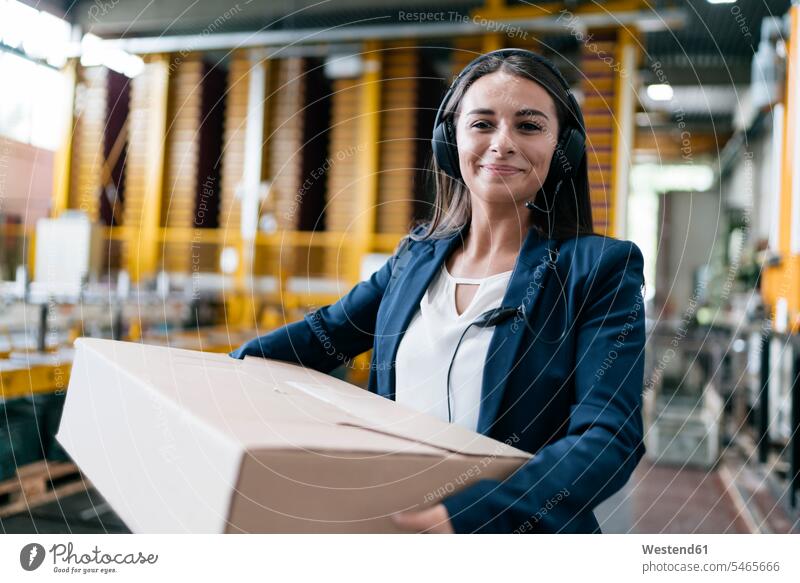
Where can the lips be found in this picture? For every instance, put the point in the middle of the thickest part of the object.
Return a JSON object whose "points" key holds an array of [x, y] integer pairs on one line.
{"points": [[501, 169]]}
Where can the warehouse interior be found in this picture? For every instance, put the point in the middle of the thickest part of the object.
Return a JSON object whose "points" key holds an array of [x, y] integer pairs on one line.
{"points": [[194, 174]]}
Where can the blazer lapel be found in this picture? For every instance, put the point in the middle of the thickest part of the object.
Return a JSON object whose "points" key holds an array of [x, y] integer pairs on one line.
{"points": [[525, 287], [415, 279]]}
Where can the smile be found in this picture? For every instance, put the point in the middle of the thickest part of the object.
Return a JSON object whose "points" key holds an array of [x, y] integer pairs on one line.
{"points": [[500, 170]]}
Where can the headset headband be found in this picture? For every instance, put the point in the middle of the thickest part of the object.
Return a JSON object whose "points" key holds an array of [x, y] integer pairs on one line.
{"points": [[572, 102]]}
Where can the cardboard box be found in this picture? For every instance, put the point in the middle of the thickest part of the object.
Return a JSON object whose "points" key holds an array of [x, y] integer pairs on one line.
{"points": [[184, 441]]}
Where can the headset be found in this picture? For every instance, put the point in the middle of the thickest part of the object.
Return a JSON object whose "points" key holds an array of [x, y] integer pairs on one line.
{"points": [[570, 148], [569, 152]]}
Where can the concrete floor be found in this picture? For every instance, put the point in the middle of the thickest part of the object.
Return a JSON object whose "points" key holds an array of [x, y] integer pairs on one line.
{"points": [[81, 513], [734, 497]]}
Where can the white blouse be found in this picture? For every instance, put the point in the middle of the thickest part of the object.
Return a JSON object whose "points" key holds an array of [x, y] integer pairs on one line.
{"points": [[427, 347]]}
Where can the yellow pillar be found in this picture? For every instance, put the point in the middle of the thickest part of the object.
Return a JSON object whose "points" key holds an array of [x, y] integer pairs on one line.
{"points": [[627, 56], [369, 160], [493, 42], [599, 83], [144, 244], [30, 236], [781, 282], [62, 162], [243, 307]]}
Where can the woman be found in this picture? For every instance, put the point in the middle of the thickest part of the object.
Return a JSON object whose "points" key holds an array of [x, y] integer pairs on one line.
{"points": [[504, 313]]}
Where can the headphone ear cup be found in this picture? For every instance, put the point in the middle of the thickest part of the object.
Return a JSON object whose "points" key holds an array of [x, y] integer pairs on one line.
{"points": [[452, 149], [564, 164], [445, 150]]}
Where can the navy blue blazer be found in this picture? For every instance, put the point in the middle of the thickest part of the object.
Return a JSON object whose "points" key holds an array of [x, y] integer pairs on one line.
{"points": [[567, 388]]}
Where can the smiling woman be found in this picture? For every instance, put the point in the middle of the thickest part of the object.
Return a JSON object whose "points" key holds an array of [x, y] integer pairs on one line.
{"points": [[498, 313], [509, 129]]}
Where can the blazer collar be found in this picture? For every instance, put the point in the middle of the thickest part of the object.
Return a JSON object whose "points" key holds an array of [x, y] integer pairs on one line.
{"points": [[427, 259], [525, 288]]}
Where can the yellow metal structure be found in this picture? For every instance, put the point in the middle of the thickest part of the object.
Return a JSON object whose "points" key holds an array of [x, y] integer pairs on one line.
{"points": [[627, 61], [493, 42], [369, 161], [599, 83], [143, 246], [496, 10], [63, 157], [144, 234], [781, 283], [25, 380], [31, 244], [240, 305]]}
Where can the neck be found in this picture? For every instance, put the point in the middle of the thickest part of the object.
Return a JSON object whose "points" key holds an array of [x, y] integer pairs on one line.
{"points": [[496, 230]]}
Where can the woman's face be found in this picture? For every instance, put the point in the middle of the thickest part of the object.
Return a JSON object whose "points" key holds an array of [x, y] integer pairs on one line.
{"points": [[506, 131]]}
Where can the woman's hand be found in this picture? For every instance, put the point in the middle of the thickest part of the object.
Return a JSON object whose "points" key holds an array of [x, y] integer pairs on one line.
{"points": [[434, 520]]}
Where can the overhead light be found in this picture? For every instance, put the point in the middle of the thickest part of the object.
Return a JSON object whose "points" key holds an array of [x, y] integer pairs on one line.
{"points": [[95, 52], [721, 1], [38, 35], [17, 23], [660, 92], [344, 66]]}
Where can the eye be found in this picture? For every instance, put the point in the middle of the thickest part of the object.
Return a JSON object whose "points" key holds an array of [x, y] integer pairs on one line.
{"points": [[481, 125], [530, 126]]}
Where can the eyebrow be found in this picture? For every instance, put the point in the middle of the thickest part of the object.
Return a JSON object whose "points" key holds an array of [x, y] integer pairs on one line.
{"points": [[520, 113]]}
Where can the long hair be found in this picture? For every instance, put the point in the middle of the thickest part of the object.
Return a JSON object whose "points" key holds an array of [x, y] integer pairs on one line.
{"points": [[559, 215]]}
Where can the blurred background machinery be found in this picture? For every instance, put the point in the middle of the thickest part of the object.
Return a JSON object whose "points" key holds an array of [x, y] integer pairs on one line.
{"points": [[199, 173]]}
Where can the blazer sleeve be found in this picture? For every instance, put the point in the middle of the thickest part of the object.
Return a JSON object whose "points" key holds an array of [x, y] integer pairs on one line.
{"points": [[603, 442], [329, 336]]}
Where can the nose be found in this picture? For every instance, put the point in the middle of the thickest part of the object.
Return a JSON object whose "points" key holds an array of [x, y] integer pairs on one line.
{"points": [[502, 143]]}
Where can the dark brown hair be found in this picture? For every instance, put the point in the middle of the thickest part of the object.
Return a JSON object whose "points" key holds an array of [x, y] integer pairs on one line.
{"points": [[570, 210]]}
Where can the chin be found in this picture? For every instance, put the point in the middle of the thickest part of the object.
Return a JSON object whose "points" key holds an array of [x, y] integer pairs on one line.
{"points": [[500, 195]]}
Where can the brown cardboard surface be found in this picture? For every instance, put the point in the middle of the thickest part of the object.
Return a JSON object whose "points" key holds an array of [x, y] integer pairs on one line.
{"points": [[349, 493]]}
